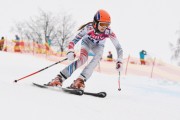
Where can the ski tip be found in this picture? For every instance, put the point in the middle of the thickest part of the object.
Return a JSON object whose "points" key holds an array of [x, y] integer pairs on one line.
{"points": [[34, 83], [102, 94], [15, 81], [42, 86], [80, 92]]}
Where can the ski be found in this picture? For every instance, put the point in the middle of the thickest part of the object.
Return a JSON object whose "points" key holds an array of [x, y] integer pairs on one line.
{"points": [[74, 91], [100, 94], [68, 90]]}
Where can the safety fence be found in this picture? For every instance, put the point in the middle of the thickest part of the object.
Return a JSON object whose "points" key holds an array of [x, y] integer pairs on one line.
{"points": [[154, 68]]}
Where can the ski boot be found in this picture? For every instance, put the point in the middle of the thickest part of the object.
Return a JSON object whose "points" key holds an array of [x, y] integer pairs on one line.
{"points": [[57, 81], [78, 84]]}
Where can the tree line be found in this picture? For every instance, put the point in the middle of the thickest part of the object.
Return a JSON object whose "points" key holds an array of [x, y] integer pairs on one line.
{"points": [[47, 27]]}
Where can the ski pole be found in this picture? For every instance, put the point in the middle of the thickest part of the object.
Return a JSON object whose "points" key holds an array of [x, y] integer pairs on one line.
{"points": [[40, 70], [119, 88]]}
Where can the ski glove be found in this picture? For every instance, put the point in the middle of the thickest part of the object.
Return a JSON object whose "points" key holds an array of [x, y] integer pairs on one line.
{"points": [[71, 55], [119, 66]]}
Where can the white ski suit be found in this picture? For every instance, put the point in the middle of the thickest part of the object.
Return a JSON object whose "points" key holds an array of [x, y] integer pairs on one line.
{"points": [[94, 42]]}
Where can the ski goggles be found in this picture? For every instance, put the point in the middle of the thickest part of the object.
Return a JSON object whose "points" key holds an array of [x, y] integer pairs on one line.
{"points": [[104, 24]]}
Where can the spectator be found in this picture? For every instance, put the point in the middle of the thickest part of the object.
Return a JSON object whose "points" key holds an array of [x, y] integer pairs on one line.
{"points": [[1, 43], [110, 56], [142, 55], [48, 40], [17, 37], [17, 44]]}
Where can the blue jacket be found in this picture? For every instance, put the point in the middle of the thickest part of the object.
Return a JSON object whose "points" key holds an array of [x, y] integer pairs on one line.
{"points": [[142, 54]]}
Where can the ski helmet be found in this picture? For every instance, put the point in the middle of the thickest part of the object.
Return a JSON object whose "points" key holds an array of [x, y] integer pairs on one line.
{"points": [[101, 16]]}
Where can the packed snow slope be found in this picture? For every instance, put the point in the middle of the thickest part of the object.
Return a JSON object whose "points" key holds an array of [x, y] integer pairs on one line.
{"points": [[141, 98]]}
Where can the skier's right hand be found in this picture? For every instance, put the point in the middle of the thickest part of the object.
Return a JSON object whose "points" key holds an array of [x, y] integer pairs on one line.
{"points": [[71, 55]]}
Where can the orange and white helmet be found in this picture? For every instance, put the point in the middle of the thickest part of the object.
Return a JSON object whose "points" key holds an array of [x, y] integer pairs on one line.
{"points": [[102, 16]]}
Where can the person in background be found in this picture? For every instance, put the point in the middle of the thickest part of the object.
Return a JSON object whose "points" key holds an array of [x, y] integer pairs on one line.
{"points": [[142, 56], [1, 43], [17, 44], [109, 56], [17, 37]]}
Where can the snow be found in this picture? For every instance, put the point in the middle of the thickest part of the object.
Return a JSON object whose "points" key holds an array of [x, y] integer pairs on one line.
{"points": [[141, 98]]}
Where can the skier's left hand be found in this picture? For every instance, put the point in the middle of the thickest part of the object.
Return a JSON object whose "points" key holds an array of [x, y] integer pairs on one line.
{"points": [[119, 66]]}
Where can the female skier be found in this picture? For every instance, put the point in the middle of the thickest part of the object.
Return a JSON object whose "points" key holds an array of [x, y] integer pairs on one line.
{"points": [[93, 35]]}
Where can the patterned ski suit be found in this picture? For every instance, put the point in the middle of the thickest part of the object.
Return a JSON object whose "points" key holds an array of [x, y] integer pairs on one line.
{"points": [[95, 43]]}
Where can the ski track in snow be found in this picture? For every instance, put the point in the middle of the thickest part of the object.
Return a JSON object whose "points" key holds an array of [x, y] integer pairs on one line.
{"points": [[141, 98]]}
